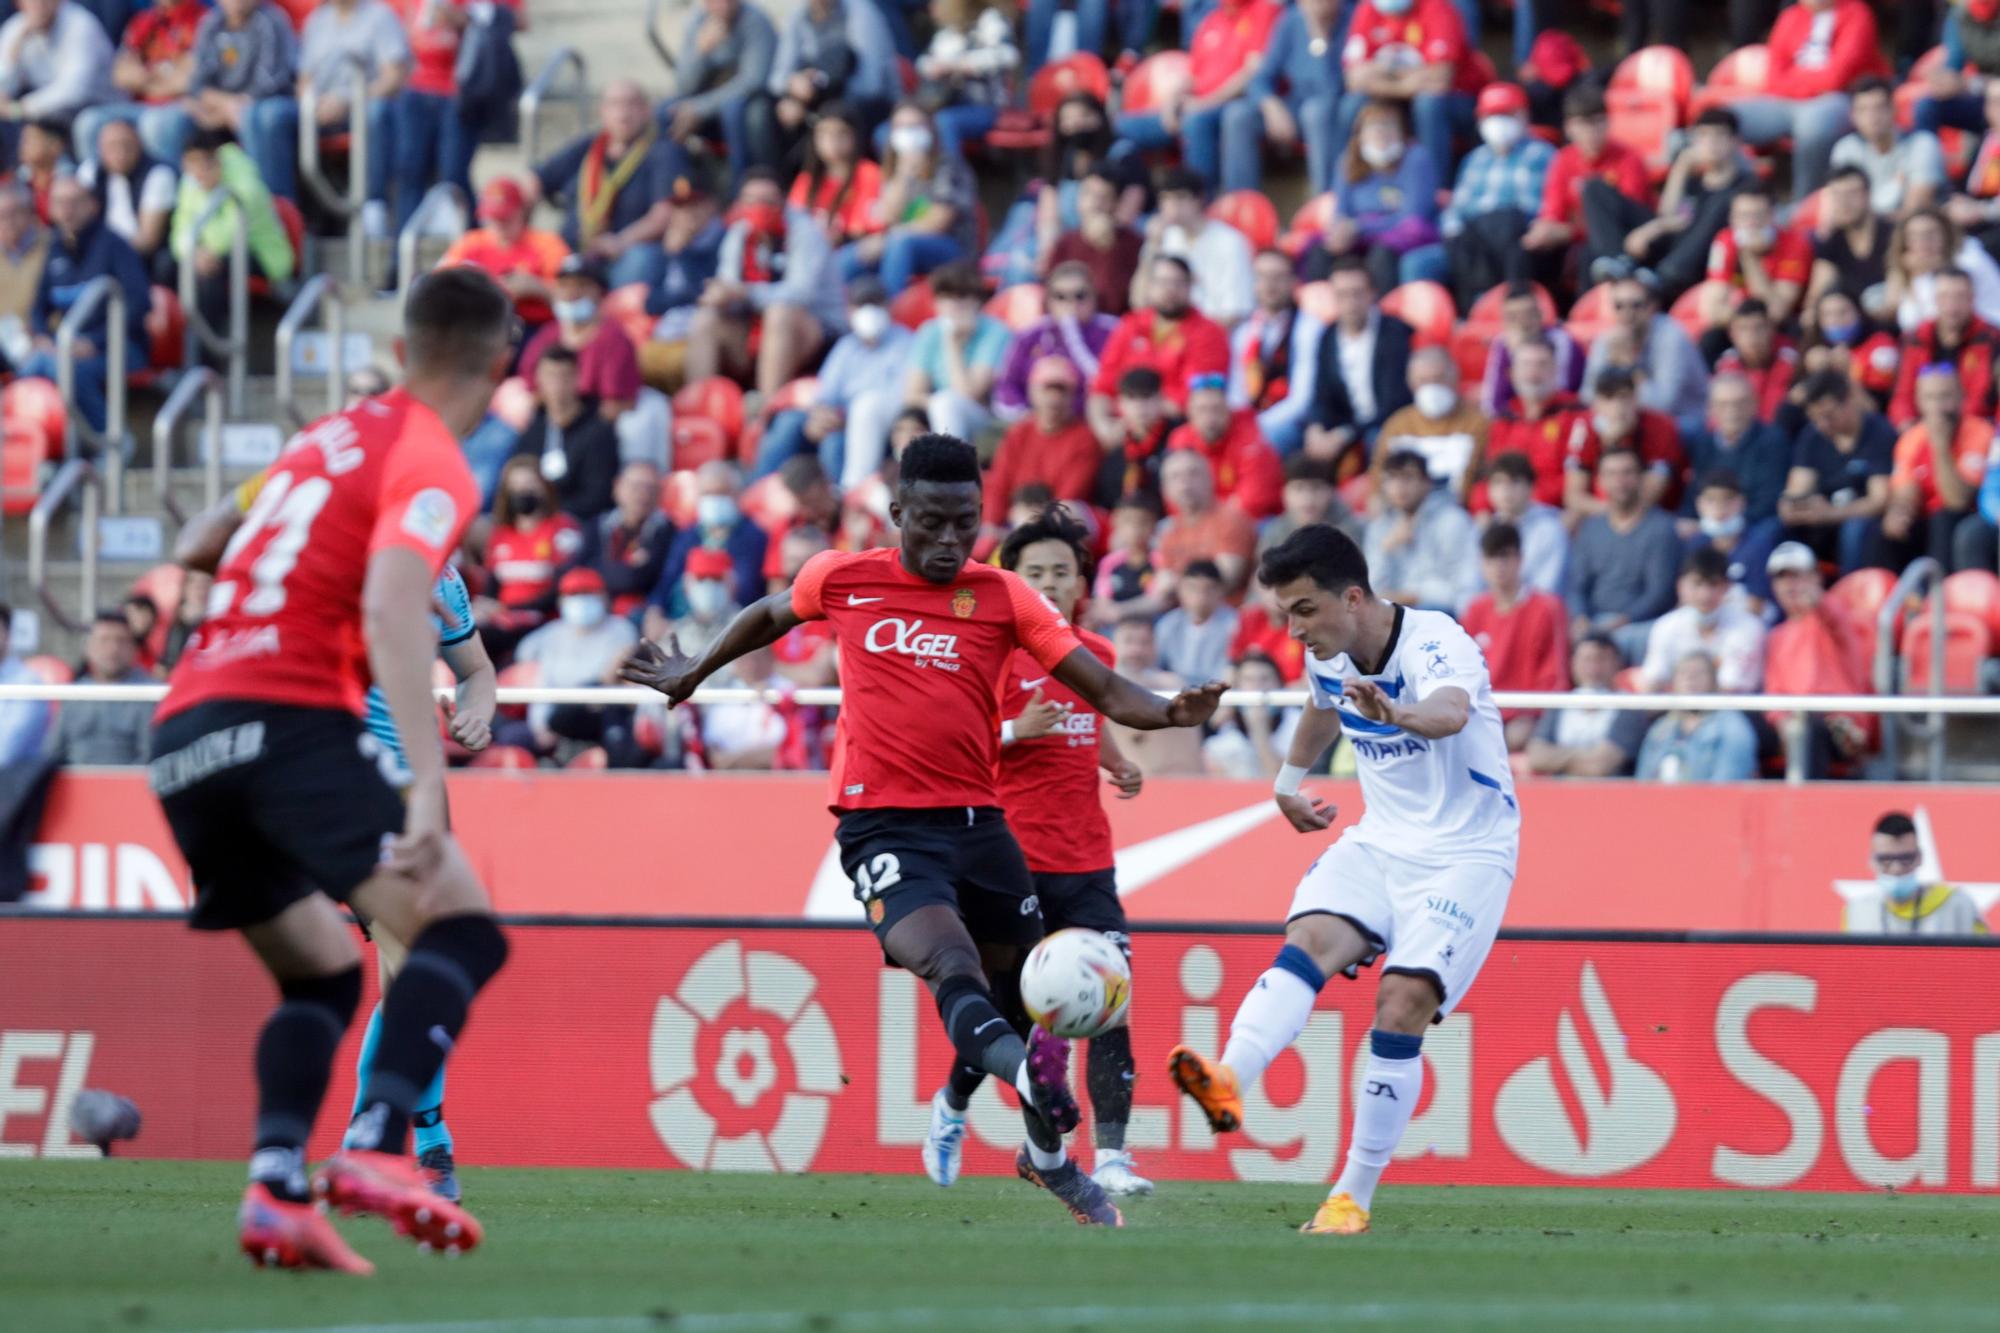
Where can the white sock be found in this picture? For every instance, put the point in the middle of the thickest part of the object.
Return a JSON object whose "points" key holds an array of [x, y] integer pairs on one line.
{"points": [[1272, 1015], [1390, 1087], [1046, 1160]]}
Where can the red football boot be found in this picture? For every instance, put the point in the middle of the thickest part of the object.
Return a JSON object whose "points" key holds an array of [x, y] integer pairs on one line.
{"points": [[278, 1234], [398, 1190]]}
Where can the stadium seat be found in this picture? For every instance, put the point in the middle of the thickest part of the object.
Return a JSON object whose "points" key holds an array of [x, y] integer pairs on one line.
{"points": [[1663, 70], [49, 669], [517, 674], [1915, 86], [1486, 310], [1018, 306], [1028, 130], [1591, 315], [914, 304], [166, 333], [718, 398], [1426, 307], [1861, 595], [1308, 225], [503, 757], [770, 504], [1687, 310], [1154, 81], [34, 407], [1629, 681], [796, 394], [1967, 645], [298, 11], [1250, 212], [514, 402], [160, 585], [1316, 299], [294, 223], [1647, 122], [23, 454], [626, 308], [677, 497], [594, 757], [1976, 593], [698, 440], [1744, 72]]}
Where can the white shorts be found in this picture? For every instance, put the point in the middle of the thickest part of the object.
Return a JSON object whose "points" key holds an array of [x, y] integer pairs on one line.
{"points": [[1429, 921]]}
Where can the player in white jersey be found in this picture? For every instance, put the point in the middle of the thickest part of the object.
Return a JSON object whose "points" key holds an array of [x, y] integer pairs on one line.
{"points": [[1421, 881]]}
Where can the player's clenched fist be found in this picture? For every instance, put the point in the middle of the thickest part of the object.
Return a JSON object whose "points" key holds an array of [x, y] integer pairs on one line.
{"points": [[1307, 812]]}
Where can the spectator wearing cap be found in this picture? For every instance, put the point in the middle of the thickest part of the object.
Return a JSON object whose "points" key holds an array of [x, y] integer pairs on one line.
{"points": [[1500, 187], [828, 50], [1673, 240], [1074, 330], [1385, 212], [211, 163], [858, 394], [1940, 463], [1363, 373], [928, 209], [606, 359], [1522, 320], [151, 70], [134, 193], [1905, 172], [1955, 337], [1247, 471], [1653, 346], [721, 526], [1817, 648], [1293, 98], [1622, 561], [1521, 631], [1421, 544], [1721, 523], [956, 355], [1617, 420], [1707, 621], [1441, 424], [54, 61], [1274, 355], [524, 260], [725, 63], [1168, 336], [1051, 445], [618, 184], [583, 646], [1698, 745], [569, 439], [1195, 636], [83, 248], [1510, 491], [1590, 155], [1545, 424], [1216, 253], [24, 247], [1414, 51], [1756, 454], [1839, 483], [1819, 49], [1225, 54], [1106, 248], [1202, 527], [245, 58], [1588, 742], [627, 545]]}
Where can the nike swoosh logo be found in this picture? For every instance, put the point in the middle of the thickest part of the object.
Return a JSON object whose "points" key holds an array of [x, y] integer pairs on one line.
{"points": [[852, 600], [1031, 684], [987, 1024]]}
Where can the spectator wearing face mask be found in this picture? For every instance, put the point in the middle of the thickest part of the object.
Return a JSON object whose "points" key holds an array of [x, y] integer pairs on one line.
{"points": [[857, 396], [1274, 355], [1510, 489], [1617, 421], [707, 598], [1756, 453], [1415, 52], [1445, 428], [956, 355], [575, 448], [1385, 192], [1588, 742], [1216, 253], [1074, 330], [1698, 745], [531, 546], [1246, 469], [583, 646], [1710, 622], [1846, 341], [1721, 524], [927, 207], [1903, 902], [628, 544], [607, 363], [1940, 464], [1421, 544], [719, 525], [1520, 631], [1500, 188]]}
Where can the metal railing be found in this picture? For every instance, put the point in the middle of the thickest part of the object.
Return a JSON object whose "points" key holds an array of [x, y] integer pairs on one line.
{"points": [[73, 473], [82, 438], [1923, 577], [544, 90], [321, 290], [439, 197], [655, 10], [234, 347], [348, 207], [198, 383]]}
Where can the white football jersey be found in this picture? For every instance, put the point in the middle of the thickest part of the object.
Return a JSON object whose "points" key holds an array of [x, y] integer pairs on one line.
{"points": [[1433, 802]]}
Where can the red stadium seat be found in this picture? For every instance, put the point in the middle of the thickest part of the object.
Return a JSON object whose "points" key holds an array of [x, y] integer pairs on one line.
{"points": [[1028, 130], [1591, 315], [34, 407], [1251, 213], [698, 440], [677, 497], [50, 670], [1967, 644], [1687, 310], [1315, 215], [718, 398], [517, 675], [594, 757], [298, 11], [1806, 216], [503, 757], [1425, 307], [22, 456], [1744, 72], [626, 308], [1975, 593], [1486, 310], [166, 330], [796, 394], [770, 504], [1154, 81], [1861, 595], [914, 304], [294, 223], [1915, 87], [1646, 122], [1657, 69], [1316, 299], [514, 402], [1018, 306]]}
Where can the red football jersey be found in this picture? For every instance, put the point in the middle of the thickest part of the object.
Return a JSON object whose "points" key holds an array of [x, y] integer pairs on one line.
{"points": [[1049, 785], [284, 616], [920, 671]]}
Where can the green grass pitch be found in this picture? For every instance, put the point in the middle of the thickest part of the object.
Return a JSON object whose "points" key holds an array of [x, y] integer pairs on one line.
{"points": [[148, 1245]]}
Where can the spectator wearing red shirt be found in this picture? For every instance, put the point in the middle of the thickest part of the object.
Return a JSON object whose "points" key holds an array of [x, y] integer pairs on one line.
{"points": [[1246, 468], [1522, 632], [1051, 445], [1934, 487], [1546, 425], [1202, 527], [1412, 51], [1818, 49], [1171, 338], [1261, 629], [607, 361], [1227, 49], [1618, 422], [524, 261], [1768, 360], [838, 186], [436, 131], [1817, 649], [1957, 337], [1756, 258], [1590, 155], [533, 543], [155, 60]]}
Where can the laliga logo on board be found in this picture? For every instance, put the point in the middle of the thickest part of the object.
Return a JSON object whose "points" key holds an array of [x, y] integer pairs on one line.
{"points": [[1626, 1121], [721, 1047]]}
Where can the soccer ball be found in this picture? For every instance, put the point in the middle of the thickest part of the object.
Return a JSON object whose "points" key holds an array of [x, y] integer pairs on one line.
{"points": [[1076, 983]]}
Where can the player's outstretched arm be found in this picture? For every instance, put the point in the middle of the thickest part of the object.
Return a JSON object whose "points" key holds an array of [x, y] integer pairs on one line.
{"points": [[1318, 728], [402, 644], [1443, 714], [1132, 705], [758, 625], [478, 693]]}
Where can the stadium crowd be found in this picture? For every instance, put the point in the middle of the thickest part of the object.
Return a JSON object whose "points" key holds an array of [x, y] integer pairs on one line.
{"points": [[1656, 387]]}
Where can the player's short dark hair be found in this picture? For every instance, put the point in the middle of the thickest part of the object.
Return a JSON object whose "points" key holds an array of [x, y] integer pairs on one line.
{"points": [[1500, 539], [1202, 569], [1718, 118], [1053, 524], [1302, 466], [960, 278], [941, 458], [456, 322], [1824, 384], [1707, 564], [1140, 382], [1850, 172], [1320, 552], [1896, 824], [1870, 83], [1719, 479], [1514, 464]]}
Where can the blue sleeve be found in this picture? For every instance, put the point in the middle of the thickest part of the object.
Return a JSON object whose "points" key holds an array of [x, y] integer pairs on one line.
{"points": [[1989, 492], [1264, 83], [455, 625], [1953, 39], [1420, 182]]}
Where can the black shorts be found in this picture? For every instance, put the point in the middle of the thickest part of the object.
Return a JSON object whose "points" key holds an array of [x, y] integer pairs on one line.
{"points": [[270, 803], [1088, 901], [964, 857]]}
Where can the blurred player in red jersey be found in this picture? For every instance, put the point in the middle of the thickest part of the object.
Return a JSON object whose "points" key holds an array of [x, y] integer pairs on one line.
{"points": [[1052, 745], [285, 805], [925, 642]]}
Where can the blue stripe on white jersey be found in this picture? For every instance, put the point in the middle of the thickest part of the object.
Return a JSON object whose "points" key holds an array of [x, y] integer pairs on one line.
{"points": [[453, 627]]}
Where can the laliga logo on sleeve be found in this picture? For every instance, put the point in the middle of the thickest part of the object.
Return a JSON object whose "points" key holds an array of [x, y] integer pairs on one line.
{"points": [[740, 1026], [1626, 1122], [907, 637]]}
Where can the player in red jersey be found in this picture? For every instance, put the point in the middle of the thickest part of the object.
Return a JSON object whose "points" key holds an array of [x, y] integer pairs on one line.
{"points": [[284, 804], [925, 641], [1052, 747]]}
